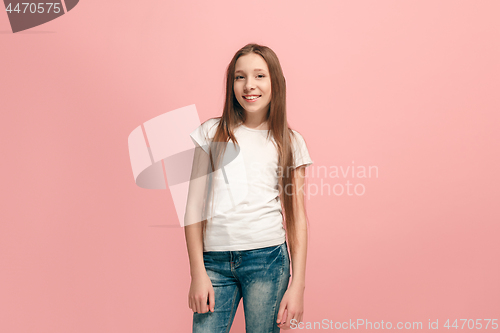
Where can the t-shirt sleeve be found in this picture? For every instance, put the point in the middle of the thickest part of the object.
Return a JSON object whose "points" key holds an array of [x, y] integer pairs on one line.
{"points": [[301, 153], [202, 135]]}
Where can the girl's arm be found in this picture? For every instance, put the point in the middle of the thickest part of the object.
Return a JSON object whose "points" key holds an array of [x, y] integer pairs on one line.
{"points": [[299, 252], [201, 290], [194, 206], [293, 300], [194, 243], [201, 287]]}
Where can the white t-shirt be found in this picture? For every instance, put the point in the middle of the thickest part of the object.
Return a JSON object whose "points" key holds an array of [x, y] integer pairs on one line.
{"points": [[247, 209]]}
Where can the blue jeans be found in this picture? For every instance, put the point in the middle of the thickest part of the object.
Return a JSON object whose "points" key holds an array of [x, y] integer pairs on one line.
{"points": [[260, 276]]}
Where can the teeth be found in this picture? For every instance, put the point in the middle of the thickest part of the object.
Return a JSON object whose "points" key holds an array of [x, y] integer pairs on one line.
{"points": [[252, 97]]}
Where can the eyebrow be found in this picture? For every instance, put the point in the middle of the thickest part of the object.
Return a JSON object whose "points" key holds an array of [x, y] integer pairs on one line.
{"points": [[255, 70]]}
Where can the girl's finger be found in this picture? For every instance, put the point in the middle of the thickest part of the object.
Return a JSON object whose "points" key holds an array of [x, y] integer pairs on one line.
{"points": [[204, 304], [201, 306], [280, 313], [288, 318], [284, 317], [211, 300]]}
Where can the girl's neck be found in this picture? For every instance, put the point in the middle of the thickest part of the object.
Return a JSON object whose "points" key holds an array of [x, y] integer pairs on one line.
{"points": [[257, 122]]}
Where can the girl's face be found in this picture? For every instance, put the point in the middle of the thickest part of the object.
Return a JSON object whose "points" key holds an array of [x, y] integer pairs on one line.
{"points": [[252, 83]]}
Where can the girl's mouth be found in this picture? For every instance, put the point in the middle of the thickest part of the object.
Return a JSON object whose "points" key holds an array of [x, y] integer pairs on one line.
{"points": [[251, 98]]}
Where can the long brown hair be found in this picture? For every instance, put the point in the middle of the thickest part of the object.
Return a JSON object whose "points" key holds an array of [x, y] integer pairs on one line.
{"points": [[233, 114]]}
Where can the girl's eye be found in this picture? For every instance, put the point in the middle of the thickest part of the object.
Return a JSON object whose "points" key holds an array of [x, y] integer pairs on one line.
{"points": [[260, 76]]}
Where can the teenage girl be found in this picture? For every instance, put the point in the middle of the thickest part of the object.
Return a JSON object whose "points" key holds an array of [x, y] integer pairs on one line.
{"points": [[247, 178]]}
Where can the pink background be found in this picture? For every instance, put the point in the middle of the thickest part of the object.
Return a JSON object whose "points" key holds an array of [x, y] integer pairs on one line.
{"points": [[408, 86]]}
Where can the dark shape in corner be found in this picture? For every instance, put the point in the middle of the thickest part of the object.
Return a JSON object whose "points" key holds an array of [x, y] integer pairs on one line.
{"points": [[29, 16]]}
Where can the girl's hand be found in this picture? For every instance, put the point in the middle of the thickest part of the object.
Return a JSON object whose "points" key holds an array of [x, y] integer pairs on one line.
{"points": [[201, 289], [293, 303]]}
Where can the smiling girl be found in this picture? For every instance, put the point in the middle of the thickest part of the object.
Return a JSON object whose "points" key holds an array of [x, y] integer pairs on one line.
{"points": [[240, 249]]}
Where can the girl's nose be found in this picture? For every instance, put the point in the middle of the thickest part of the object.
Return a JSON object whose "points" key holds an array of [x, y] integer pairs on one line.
{"points": [[249, 84]]}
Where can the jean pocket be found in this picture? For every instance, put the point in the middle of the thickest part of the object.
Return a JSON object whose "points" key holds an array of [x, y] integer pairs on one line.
{"points": [[286, 259]]}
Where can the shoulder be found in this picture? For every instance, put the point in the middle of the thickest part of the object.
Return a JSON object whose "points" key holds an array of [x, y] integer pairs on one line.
{"points": [[212, 121], [297, 138], [209, 126], [295, 133]]}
